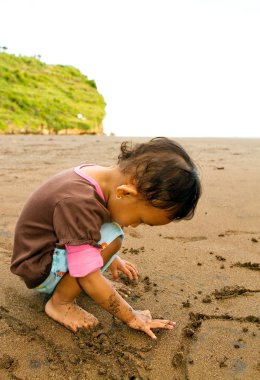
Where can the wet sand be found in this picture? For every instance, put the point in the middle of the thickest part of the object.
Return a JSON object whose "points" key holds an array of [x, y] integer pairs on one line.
{"points": [[203, 274]]}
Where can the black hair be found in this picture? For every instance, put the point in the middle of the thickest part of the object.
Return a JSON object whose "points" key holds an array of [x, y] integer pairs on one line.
{"points": [[164, 175]]}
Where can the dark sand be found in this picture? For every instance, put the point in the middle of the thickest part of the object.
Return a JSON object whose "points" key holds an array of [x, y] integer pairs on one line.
{"points": [[203, 274]]}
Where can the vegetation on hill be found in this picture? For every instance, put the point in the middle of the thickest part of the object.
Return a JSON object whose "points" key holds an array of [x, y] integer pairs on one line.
{"points": [[40, 98]]}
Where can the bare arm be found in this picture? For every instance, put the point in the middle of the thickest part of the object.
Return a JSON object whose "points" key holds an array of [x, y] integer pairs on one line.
{"points": [[111, 249], [102, 292]]}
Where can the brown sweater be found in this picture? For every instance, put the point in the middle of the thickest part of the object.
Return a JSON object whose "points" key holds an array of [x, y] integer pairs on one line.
{"points": [[64, 210]]}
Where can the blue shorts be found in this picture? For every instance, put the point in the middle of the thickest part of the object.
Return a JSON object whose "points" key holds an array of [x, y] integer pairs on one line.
{"points": [[109, 232]]}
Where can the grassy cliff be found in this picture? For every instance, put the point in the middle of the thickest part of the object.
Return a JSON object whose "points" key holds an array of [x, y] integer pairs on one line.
{"points": [[40, 98]]}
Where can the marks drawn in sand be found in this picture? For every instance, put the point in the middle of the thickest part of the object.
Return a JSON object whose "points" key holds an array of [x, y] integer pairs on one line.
{"points": [[247, 265], [235, 232], [182, 359], [184, 239]]}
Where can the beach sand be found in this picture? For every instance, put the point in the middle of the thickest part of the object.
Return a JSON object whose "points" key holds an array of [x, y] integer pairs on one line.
{"points": [[203, 274]]}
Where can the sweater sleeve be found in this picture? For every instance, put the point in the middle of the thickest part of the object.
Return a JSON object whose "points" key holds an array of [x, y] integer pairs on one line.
{"points": [[78, 221], [83, 259]]}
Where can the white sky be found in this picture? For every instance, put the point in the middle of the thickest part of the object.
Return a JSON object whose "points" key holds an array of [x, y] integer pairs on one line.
{"points": [[165, 67]]}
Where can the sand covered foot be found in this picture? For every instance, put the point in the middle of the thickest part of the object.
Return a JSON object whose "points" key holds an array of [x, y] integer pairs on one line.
{"points": [[70, 315]]}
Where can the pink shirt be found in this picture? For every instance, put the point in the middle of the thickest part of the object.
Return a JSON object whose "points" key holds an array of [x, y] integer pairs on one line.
{"points": [[84, 259]]}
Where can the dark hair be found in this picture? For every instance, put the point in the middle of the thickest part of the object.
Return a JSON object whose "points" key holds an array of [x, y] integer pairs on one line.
{"points": [[164, 175]]}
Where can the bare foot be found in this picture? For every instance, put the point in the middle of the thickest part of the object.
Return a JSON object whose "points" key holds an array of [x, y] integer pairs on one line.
{"points": [[122, 289], [70, 315]]}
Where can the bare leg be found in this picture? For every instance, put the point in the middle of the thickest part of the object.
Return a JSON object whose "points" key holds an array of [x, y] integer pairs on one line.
{"points": [[62, 307], [107, 253]]}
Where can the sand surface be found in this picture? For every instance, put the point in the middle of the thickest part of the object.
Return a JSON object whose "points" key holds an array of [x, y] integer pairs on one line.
{"points": [[203, 274]]}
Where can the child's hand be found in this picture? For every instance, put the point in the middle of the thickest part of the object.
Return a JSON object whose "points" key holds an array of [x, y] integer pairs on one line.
{"points": [[143, 321], [124, 266]]}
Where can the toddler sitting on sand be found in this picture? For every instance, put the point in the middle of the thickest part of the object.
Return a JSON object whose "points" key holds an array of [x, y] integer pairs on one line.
{"points": [[70, 228]]}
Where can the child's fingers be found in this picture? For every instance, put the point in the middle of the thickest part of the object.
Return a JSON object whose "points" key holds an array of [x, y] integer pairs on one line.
{"points": [[128, 263], [114, 272], [162, 323], [149, 332], [132, 269], [126, 271], [134, 273], [131, 264]]}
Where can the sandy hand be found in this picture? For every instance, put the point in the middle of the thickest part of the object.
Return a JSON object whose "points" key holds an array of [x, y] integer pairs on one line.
{"points": [[70, 315], [143, 321], [124, 266]]}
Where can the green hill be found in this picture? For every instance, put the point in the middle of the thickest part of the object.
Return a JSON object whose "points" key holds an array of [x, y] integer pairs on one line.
{"points": [[40, 98]]}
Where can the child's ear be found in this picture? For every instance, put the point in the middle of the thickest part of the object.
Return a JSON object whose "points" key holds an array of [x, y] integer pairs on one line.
{"points": [[126, 190]]}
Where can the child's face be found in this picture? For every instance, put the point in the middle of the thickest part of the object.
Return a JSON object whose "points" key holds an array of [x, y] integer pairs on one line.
{"points": [[132, 211]]}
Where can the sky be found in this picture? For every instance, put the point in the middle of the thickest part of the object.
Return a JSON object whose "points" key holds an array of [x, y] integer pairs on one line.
{"points": [[180, 68]]}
